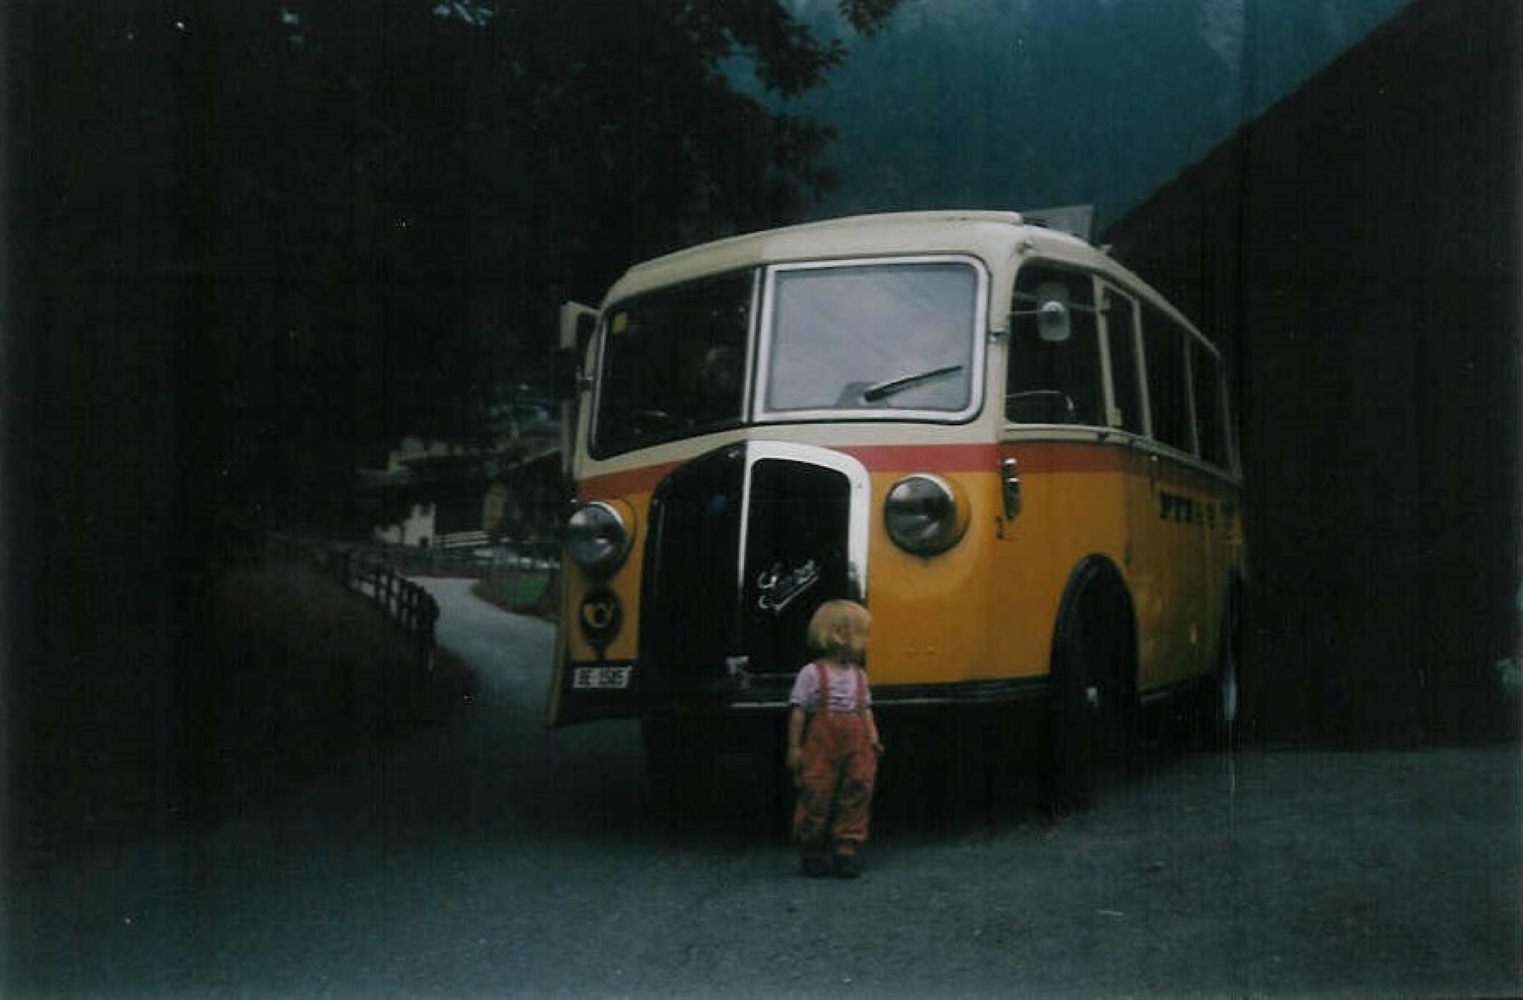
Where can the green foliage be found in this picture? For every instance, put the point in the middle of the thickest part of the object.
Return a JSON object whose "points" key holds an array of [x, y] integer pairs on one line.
{"points": [[990, 104], [350, 220], [530, 592]]}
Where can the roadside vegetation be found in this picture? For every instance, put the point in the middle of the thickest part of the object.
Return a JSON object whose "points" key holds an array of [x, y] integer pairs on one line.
{"points": [[287, 670], [297, 669], [521, 590]]}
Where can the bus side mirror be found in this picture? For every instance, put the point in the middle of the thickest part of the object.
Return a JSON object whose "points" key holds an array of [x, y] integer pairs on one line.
{"points": [[566, 372], [1053, 320], [578, 322]]}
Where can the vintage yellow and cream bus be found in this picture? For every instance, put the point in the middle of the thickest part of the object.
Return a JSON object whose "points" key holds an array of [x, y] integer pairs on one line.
{"points": [[1014, 451]]}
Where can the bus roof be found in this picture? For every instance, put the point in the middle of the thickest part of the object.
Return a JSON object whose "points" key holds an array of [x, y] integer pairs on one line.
{"points": [[992, 236]]}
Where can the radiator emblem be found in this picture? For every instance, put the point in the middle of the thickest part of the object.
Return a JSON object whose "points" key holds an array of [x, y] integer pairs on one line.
{"points": [[777, 588]]}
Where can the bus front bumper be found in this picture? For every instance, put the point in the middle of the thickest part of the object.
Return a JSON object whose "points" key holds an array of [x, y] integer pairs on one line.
{"points": [[629, 690]]}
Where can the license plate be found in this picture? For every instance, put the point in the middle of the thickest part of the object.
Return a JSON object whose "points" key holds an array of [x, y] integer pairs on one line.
{"points": [[601, 678]]}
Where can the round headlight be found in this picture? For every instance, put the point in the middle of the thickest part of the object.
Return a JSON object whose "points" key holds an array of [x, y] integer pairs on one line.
{"points": [[597, 538], [923, 515]]}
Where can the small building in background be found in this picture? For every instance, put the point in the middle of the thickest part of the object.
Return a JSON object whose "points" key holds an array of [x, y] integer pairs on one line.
{"points": [[427, 492], [525, 503], [436, 493]]}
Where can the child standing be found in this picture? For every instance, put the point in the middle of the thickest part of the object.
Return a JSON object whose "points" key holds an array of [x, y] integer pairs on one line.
{"points": [[833, 743]]}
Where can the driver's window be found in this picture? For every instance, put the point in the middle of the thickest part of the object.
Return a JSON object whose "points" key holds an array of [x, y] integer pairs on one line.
{"points": [[1051, 378]]}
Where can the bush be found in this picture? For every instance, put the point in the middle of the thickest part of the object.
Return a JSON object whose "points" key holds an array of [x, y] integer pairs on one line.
{"points": [[521, 591], [298, 668], [282, 670]]}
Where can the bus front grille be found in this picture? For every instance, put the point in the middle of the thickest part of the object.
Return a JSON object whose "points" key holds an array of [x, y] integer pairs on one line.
{"points": [[745, 543]]}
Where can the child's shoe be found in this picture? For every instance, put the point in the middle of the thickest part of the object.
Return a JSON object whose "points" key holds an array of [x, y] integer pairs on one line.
{"points": [[844, 866]]}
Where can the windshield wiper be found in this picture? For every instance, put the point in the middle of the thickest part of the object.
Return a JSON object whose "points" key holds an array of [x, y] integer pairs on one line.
{"points": [[883, 390]]}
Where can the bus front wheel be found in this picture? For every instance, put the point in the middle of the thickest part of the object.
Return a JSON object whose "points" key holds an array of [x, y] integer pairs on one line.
{"points": [[1092, 712]]}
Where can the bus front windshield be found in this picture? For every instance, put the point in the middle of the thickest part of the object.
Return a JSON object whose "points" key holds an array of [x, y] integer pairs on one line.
{"points": [[860, 338], [854, 341]]}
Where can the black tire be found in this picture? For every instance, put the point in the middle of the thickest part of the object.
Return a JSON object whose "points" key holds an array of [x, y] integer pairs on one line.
{"points": [[1092, 715], [1220, 695], [1071, 781]]}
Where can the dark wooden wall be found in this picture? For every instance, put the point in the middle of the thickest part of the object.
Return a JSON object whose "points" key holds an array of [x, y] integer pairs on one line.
{"points": [[1356, 250]]}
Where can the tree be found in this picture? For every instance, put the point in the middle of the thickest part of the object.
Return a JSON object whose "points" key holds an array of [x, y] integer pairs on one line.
{"points": [[348, 220]]}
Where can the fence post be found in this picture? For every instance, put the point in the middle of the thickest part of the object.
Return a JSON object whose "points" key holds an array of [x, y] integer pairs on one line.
{"points": [[404, 603], [429, 616]]}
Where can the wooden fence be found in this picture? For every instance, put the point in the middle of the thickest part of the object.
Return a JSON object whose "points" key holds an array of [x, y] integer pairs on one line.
{"points": [[474, 561], [406, 604]]}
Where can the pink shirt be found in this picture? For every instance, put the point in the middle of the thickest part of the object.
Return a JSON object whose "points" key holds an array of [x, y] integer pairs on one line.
{"points": [[843, 688]]}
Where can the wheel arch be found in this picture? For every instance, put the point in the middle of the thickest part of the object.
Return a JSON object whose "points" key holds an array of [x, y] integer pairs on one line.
{"points": [[1096, 577], [1090, 715]]}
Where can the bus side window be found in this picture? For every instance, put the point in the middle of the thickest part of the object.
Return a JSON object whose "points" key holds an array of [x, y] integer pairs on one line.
{"points": [[1126, 371], [1210, 414], [1054, 382], [1168, 388]]}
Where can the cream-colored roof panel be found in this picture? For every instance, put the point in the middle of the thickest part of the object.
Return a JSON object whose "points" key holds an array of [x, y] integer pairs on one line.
{"points": [[992, 236]]}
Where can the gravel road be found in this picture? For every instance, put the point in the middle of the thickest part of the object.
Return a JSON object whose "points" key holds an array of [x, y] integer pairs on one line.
{"points": [[489, 857]]}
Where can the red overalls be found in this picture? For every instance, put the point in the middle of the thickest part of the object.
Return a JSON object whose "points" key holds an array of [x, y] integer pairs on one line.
{"points": [[836, 778]]}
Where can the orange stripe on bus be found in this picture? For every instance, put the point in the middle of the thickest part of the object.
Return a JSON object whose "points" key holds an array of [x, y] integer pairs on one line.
{"points": [[980, 457], [619, 484], [1033, 456], [1065, 456]]}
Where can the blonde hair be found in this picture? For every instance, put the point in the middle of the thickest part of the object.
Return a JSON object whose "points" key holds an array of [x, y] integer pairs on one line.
{"points": [[838, 626]]}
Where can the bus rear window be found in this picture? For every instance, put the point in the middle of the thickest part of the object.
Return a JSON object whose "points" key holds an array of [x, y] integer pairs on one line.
{"points": [[1210, 412]]}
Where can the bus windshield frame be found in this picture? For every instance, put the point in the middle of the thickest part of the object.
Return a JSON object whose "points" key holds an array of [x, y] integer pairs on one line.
{"points": [[673, 363], [889, 338]]}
